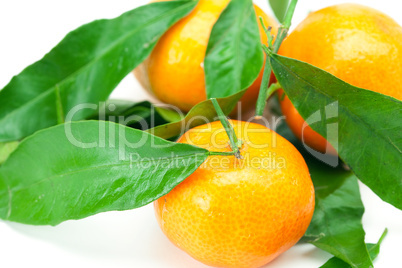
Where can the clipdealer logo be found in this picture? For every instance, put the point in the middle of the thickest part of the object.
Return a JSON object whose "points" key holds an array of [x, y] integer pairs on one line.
{"points": [[328, 117]]}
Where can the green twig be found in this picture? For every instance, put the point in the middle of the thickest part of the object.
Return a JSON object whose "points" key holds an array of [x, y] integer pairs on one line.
{"points": [[284, 28], [272, 89], [267, 31], [221, 153], [282, 33], [235, 143], [261, 101]]}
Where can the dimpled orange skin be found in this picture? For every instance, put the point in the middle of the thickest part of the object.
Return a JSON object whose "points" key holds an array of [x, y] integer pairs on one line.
{"points": [[174, 71], [357, 44], [226, 215]]}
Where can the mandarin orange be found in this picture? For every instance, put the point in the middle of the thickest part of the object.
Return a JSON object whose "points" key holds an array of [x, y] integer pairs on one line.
{"points": [[358, 44], [239, 212], [174, 71]]}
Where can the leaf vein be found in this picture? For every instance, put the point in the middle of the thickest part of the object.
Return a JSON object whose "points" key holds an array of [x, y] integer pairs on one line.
{"points": [[348, 111], [90, 62]]}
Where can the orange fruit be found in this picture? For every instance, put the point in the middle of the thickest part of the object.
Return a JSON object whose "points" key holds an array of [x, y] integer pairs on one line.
{"points": [[174, 71], [357, 44], [239, 212]]}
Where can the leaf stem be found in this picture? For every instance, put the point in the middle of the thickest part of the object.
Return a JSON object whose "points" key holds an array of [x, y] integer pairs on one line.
{"points": [[282, 33], [235, 143], [272, 89]]}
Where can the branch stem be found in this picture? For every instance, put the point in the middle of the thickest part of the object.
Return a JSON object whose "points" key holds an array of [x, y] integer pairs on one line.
{"points": [[282, 33], [261, 101]]}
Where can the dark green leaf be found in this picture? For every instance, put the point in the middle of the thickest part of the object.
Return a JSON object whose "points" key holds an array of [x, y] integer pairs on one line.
{"points": [[6, 148], [139, 115], [83, 68], [370, 124], [201, 113], [336, 226], [114, 108], [234, 55], [279, 8], [57, 175], [373, 249]]}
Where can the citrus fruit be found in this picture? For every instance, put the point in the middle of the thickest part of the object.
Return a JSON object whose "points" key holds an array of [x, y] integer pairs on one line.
{"points": [[357, 44], [174, 71], [239, 212]]}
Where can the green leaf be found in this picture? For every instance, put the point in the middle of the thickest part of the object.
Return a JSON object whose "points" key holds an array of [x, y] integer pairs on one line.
{"points": [[370, 124], [201, 113], [279, 8], [6, 148], [139, 115], [83, 68], [78, 169], [336, 226], [234, 55], [169, 115], [373, 249]]}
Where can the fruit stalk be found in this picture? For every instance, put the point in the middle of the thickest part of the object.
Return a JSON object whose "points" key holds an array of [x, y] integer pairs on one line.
{"points": [[235, 143], [282, 33]]}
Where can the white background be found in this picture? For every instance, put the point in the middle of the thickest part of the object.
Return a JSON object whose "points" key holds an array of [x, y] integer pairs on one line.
{"points": [[29, 29]]}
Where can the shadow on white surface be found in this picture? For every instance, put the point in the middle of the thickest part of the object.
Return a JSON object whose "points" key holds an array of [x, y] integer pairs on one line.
{"points": [[309, 252], [124, 238], [132, 239]]}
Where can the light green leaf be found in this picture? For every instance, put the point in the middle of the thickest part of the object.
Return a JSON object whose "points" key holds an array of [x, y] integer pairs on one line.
{"points": [[279, 8], [201, 113], [234, 55], [78, 169], [373, 249], [83, 68]]}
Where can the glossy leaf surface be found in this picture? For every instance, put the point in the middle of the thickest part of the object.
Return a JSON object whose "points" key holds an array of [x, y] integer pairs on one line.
{"points": [[373, 249], [234, 55], [83, 68], [139, 115], [78, 169], [201, 113], [336, 226], [369, 123]]}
